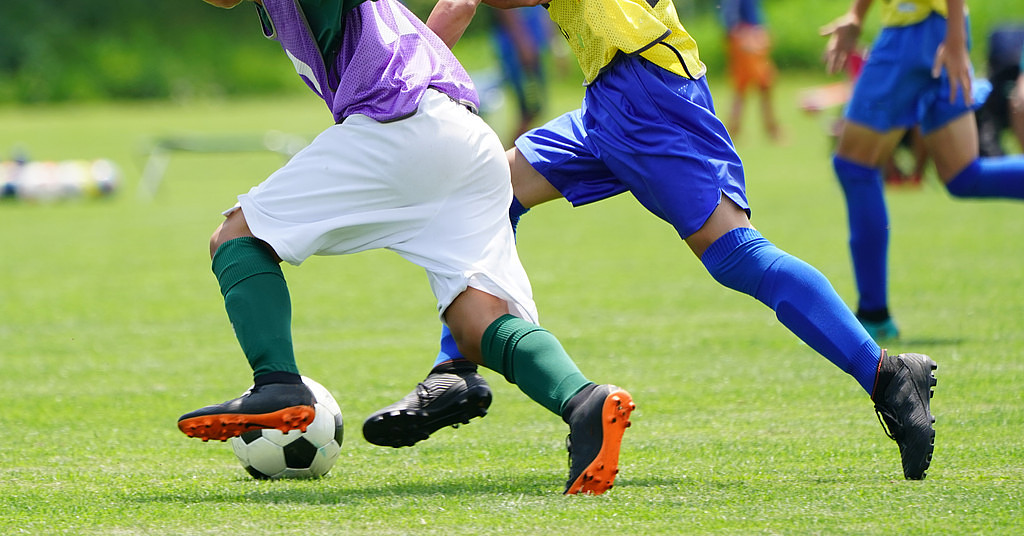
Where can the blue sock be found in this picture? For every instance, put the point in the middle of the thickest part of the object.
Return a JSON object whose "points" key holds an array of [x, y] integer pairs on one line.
{"points": [[990, 177], [869, 232], [449, 351], [516, 211], [803, 300]]}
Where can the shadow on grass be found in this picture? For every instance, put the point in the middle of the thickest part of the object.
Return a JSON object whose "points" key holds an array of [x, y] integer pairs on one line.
{"points": [[334, 491], [909, 343]]}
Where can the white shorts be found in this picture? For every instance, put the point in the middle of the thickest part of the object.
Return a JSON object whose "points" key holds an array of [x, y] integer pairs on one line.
{"points": [[434, 187]]}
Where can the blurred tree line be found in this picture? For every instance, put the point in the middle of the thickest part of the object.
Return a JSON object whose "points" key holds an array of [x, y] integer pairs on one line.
{"points": [[65, 50], [73, 50]]}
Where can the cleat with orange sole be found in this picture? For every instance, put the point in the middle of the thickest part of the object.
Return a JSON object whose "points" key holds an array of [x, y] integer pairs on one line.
{"points": [[283, 406], [597, 424], [225, 426]]}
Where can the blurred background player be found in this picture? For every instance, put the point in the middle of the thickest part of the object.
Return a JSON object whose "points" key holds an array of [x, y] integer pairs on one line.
{"points": [[647, 126], [748, 47], [996, 116], [1017, 106], [409, 167], [521, 39], [917, 74]]}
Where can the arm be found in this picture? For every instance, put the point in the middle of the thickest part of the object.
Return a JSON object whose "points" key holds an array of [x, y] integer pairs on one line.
{"points": [[449, 18], [842, 34], [952, 53]]}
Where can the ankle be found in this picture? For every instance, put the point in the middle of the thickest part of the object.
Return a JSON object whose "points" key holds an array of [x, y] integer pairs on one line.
{"points": [[454, 366], [277, 377]]}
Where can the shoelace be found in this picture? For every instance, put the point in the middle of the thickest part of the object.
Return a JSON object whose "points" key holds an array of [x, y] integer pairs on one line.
{"points": [[880, 413], [423, 394]]}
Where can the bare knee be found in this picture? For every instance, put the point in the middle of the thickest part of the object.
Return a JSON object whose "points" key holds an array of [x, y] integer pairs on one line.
{"points": [[726, 217], [233, 226], [469, 316]]}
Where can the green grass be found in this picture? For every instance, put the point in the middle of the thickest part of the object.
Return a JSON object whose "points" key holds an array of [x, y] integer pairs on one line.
{"points": [[111, 326]]}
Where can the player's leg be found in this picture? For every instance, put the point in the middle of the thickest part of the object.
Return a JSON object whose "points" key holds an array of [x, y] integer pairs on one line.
{"points": [[735, 120], [469, 253], [708, 210], [954, 149], [737, 256], [805, 302], [453, 392], [771, 123], [860, 152], [258, 304], [886, 100], [533, 359]]}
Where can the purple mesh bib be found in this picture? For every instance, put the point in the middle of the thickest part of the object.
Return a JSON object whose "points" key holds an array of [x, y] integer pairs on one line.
{"points": [[388, 58]]}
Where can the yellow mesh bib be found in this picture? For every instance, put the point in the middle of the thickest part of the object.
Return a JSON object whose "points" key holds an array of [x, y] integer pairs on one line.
{"points": [[597, 30], [907, 12]]}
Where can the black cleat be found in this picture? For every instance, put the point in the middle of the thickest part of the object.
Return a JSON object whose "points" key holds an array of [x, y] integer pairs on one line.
{"points": [[284, 406], [449, 396], [903, 391], [598, 417]]}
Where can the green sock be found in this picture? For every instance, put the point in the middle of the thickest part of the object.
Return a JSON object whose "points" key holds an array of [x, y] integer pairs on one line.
{"points": [[258, 304], [532, 358]]}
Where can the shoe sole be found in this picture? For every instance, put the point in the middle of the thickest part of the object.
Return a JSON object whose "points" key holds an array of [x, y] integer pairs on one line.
{"points": [[928, 366], [599, 476], [224, 426], [406, 427]]}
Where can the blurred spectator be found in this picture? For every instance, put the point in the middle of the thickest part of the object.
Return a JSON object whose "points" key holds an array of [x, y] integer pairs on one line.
{"points": [[748, 46]]}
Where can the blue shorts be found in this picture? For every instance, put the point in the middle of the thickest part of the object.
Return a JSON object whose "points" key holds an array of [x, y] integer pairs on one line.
{"points": [[896, 89], [647, 131]]}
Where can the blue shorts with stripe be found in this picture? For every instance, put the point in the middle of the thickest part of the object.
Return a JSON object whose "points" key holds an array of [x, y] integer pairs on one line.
{"points": [[896, 89], [647, 131]]}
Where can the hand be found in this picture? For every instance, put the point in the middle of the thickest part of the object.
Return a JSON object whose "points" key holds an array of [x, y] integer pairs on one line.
{"points": [[957, 63], [842, 34], [226, 4]]}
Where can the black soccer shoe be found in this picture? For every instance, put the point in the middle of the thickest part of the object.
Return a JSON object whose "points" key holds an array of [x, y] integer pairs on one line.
{"points": [[902, 397], [598, 417], [284, 406], [449, 396]]}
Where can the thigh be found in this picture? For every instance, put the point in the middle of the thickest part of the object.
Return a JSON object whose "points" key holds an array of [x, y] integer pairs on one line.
{"points": [[363, 185], [466, 240], [954, 146], [529, 186], [561, 152], [866, 146], [667, 146]]}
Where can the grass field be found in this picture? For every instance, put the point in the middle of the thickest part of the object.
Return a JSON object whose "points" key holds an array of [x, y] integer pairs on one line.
{"points": [[111, 325]]}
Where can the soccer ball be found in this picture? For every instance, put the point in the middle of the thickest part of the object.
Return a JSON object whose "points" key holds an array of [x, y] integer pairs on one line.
{"points": [[270, 454]]}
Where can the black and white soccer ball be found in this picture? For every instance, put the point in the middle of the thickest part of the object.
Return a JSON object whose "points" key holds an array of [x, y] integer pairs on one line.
{"points": [[271, 454]]}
